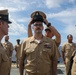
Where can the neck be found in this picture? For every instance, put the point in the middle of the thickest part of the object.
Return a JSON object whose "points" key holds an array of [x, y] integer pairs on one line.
{"points": [[70, 41], [18, 43], [6, 41], [38, 37]]}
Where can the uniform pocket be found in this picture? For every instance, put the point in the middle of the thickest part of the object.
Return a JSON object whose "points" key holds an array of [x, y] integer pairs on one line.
{"points": [[46, 53], [30, 53], [46, 50], [67, 52], [4, 57]]}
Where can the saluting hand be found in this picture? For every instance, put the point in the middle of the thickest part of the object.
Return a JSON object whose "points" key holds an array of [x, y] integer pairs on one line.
{"points": [[31, 22], [45, 21]]}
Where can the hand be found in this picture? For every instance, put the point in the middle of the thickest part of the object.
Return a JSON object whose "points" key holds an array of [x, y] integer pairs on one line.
{"points": [[31, 22], [45, 21]]}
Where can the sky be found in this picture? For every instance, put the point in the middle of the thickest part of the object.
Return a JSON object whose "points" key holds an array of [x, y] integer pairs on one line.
{"points": [[60, 13]]}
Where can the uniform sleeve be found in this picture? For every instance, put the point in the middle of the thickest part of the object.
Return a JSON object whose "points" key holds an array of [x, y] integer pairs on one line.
{"points": [[57, 44], [63, 48], [12, 48], [58, 53], [23, 45], [54, 51]]}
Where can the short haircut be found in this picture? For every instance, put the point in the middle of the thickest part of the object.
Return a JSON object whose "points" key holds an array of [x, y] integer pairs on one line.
{"points": [[69, 36]]}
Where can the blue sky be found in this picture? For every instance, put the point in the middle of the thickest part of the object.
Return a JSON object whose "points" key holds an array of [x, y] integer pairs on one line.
{"points": [[61, 13]]}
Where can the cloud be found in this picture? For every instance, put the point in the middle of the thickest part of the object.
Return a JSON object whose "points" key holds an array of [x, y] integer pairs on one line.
{"points": [[23, 20], [53, 3], [17, 29], [19, 11], [71, 1], [18, 5], [67, 16], [68, 19], [14, 5], [70, 29], [58, 3]]}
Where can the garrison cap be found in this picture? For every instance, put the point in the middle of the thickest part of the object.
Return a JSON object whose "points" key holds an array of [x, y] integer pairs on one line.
{"points": [[38, 16], [4, 15]]}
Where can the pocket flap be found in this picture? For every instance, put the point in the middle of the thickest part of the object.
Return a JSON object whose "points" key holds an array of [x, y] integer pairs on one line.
{"points": [[4, 57]]}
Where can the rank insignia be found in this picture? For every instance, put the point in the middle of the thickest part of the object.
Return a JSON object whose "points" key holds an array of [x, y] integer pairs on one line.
{"points": [[47, 45]]}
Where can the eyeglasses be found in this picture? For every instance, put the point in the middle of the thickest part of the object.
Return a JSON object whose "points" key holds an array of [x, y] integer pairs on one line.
{"points": [[38, 25]]}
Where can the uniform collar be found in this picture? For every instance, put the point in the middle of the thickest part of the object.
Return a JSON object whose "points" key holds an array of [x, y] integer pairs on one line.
{"points": [[6, 41], [34, 40], [70, 43]]}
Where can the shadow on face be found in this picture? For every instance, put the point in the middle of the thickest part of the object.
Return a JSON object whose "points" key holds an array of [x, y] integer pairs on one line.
{"points": [[49, 34]]}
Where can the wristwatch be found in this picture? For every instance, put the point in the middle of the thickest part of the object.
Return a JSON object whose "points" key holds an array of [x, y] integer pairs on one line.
{"points": [[49, 24]]}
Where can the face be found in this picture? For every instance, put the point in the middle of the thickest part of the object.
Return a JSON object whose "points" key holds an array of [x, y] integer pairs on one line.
{"points": [[6, 38], [4, 27], [38, 27], [70, 38], [18, 41], [48, 34]]}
